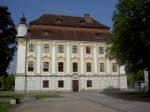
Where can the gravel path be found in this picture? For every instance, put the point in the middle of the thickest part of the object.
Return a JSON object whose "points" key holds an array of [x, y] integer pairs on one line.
{"points": [[71, 102]]}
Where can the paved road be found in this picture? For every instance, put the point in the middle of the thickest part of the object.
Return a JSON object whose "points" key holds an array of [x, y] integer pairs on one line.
{"points": [[127, 106], [71, 102], [82, 102]]}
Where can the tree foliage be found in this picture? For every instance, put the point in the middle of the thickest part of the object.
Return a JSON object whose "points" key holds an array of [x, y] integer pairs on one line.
{"points": [[131, 34], [7, 39], [9, 82]]}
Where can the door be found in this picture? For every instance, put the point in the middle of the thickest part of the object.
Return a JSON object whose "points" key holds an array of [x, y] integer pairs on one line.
{"points": [[75, 85]]}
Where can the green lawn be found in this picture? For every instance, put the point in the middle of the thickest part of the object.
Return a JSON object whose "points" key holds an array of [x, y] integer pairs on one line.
{"points": [[10, 94], [130, 95], [5, 106], [43, 96]]}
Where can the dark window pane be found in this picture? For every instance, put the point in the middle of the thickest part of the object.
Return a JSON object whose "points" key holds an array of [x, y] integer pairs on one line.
{"points": [[75, 67], [45, 83], [88, 50], [74, 49], [101, 67], [46, 66], [60, 66], [30, 66], [61, 83], [101, 50], [31, 48], [88, 67], [46, 48], [61, 49], [89, 83]]}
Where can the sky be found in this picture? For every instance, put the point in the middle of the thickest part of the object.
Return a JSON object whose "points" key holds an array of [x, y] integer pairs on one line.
{"points": [[101, 10]]}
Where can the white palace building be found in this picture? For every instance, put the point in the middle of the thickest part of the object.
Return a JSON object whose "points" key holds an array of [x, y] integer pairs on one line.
{"points": [[65, 53]]}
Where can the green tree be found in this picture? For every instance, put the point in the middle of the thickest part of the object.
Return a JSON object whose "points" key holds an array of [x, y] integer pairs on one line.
{"points": [[131, 34], [7, 41]]}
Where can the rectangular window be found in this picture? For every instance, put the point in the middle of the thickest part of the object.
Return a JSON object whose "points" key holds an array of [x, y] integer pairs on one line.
{"points": [[60, 66], [74, 49], [45, 66], [31, 47], [46, 48], [45, 83], [60, 83], [75, 67], [30, 66], [88, 50], [89, 83], [114, 67], [101, 67], [82, 22], [61, 49], [101, 50], [88, 66]]}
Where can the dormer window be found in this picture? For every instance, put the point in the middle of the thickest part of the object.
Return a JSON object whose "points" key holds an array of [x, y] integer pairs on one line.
{"points": [[97, 34], [59, 20], [82, 22], [46, 33]]}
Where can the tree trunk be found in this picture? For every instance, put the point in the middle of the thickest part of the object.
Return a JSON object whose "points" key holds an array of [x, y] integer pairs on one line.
{"points": [[149, 82]]}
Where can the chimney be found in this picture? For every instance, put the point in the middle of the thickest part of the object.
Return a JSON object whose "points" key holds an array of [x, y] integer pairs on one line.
{"points": [[88, 19], [86, 15]]}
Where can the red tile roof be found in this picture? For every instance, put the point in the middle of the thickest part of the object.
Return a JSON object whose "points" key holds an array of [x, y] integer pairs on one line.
{"points": [[59, 27], [69, 35], [72, 21]]}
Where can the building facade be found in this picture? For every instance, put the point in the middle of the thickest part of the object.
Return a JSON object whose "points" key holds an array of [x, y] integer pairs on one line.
{"points": [[65, 53]]}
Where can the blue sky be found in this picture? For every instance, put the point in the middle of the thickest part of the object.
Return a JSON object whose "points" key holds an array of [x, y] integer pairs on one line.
{"points": [[101, 10]]}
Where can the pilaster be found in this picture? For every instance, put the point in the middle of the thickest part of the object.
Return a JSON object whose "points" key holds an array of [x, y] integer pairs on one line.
{"points": [[21, 55], [82, 58], [53, 52], [108, 66], [38, 58], [68, 61], [95, 58]]}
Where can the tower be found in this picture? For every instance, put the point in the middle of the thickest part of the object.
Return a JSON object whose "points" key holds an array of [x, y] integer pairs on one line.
{"points": [[22, 27]]}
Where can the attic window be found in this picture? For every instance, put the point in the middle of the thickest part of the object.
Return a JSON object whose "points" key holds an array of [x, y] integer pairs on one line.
{"points": [[59, 20], [46, 33], [97, 34], [82, 22]]}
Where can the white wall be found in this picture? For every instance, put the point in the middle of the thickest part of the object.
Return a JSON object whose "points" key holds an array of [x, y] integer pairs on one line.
{"points": [[19, 83], [22, 30], [21, 54], [101, 81]]}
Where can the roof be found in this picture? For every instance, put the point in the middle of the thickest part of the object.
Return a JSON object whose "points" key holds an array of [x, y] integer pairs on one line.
{"points": [[73, 28], [69, 35], [69, 21]]}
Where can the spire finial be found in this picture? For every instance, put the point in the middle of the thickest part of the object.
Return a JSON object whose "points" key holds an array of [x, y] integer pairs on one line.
{"points": [[23, 19]]}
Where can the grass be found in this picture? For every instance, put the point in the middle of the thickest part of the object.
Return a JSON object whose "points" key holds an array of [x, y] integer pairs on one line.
{"points": [[5, 106], [43, 96], [130, 95], [11, 94]]}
